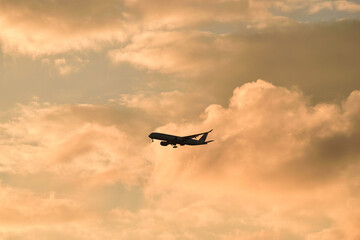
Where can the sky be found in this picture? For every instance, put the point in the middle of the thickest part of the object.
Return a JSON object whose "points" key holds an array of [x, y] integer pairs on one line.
{"points": [[84, 82]]}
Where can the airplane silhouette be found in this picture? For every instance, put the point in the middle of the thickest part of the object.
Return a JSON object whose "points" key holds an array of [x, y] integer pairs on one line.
{"points": [[173, 140]]}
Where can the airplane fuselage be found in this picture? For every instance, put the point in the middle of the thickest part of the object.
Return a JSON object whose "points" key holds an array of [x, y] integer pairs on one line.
{"points": [[167, 139], [171, 139]]}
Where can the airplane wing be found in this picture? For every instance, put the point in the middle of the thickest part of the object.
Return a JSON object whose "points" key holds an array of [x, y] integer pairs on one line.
{"points": [[195, 135]]}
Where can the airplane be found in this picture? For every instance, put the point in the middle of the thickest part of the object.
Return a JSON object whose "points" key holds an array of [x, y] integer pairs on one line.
{"points": [[173, 140]]}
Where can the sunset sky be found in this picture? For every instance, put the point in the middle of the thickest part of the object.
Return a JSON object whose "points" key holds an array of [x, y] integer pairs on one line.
{"points": [[84, 82]]}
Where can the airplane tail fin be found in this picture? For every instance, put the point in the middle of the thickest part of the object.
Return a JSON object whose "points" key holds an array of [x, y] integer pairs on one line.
{"points": [[204, 136]]}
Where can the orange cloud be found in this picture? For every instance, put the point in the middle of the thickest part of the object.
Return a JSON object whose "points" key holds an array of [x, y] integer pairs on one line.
{"points": [[271, 132], [165, 106], [316, 6], [219, 63], [53, 27], [279, 168], [172, 52], [43, 27], [62, 139], [23, 208], [272, 151]]}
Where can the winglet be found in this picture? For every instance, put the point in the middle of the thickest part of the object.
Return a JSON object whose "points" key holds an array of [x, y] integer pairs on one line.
{"points": [[209, 131]]}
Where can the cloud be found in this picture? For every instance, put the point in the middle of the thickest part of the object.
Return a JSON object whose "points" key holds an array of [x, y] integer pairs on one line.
{"points": [[166, 106], [62, 139], [321, 6], [347, 6], [65, 66], [275, 155], [43, 27], [175, 14], [52, 27], [314, 7], [171, 52], [280, 167], [24, 208], [201, 59], [273, 133]]}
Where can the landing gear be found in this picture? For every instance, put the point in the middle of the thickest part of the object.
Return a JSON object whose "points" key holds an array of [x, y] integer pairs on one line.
{"points": [[174, 146]]}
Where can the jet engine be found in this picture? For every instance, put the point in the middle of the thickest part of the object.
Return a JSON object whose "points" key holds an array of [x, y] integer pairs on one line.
{"points": [[164, 143]]}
